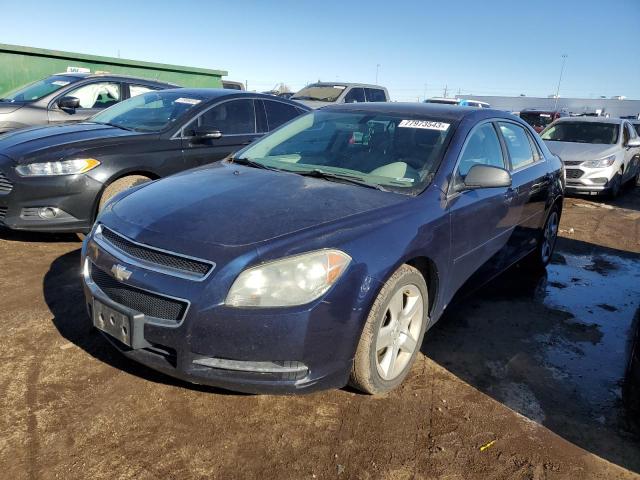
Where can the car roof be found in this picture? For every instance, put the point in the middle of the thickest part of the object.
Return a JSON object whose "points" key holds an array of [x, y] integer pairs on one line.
{"points": [[211, 93], [615, 121], [347, 84], [83, 75], [452, 113]]}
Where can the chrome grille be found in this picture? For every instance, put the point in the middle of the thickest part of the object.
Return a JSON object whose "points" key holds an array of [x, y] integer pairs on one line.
{"points": [[154, 256], [5, 184], [148, 303], [572, 163], [3, 214], [574, 173]]}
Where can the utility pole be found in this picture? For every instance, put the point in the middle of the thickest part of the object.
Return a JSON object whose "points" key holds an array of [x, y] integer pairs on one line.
{"points": [[564, 59], [446, 89], [377, 70], [425, 92]]}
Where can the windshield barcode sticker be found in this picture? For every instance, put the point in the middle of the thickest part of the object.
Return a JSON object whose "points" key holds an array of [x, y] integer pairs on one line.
{"points": [[426, 124], [189, 101]]}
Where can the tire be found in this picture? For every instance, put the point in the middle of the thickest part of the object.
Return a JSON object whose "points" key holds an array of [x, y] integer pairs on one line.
{"points": [[396, 323], [541, 256], [616, 185], [118, 186], [114, 188]]}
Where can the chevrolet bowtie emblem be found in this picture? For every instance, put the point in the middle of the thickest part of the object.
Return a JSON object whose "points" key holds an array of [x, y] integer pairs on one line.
{"points": [[120, 273]]}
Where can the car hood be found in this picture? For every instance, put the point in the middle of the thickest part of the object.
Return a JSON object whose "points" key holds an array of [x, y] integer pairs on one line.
{"points": [[23, 145], [569, 151], [10, 107], [231, 205]]}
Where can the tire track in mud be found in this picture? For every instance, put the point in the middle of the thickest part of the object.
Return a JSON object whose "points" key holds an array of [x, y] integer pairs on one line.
{"points": [[31, 402]]}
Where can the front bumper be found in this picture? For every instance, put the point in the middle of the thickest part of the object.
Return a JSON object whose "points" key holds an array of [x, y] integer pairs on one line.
{"points": [[21, 198], [588, 180], [248, 350]]}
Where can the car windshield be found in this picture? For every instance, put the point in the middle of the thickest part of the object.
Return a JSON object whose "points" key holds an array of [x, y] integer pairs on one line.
{"points": [[36, 90], [389, 152], [583, 132], [537, 119], [150, 112], [320, 93]]}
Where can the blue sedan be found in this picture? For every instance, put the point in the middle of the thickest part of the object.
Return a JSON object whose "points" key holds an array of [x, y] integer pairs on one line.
{"points": [[322, 253]]}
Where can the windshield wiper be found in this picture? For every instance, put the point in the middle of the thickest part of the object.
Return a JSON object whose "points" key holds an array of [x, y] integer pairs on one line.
{"points": [[129, 129], [342, 177], [251, 163]]}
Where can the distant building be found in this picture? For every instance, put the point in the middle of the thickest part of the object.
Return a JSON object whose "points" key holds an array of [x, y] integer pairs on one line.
{"points": [[613, 107]]}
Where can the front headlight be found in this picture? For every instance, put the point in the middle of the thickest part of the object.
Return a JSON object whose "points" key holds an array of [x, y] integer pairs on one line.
{"points": [[602, 163], [291, 281], [63, 167]]}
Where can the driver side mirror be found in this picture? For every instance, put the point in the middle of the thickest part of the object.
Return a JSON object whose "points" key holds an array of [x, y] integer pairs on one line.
{"points": [[486, 176], [68, 103], [633, 142], [205, 133]]}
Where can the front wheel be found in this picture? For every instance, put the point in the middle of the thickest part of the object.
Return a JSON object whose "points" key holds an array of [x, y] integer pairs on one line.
{"points": [[616, 184], [392, 334]]}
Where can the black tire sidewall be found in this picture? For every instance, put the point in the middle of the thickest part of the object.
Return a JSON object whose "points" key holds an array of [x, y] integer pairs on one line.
{"points": [[406, 279]]}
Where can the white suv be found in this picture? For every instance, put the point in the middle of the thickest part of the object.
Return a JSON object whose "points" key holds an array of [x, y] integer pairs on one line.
{"points": [[600, 154]]}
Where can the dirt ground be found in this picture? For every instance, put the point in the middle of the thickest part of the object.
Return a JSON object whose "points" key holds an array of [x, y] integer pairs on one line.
{"points": [[529, 367]]}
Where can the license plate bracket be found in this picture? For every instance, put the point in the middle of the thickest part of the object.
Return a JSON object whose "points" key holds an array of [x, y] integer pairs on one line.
{"points": [[113, 322]]}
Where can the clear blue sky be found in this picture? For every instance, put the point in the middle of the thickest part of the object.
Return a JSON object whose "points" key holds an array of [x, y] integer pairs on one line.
{"points": [[481, 47]]}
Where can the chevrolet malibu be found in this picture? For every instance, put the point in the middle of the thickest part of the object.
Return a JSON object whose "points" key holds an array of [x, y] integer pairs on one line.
{"points": [[320, 255]]}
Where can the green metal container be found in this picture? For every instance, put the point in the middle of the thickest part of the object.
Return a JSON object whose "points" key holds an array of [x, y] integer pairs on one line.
{"points": [[22, 65]]}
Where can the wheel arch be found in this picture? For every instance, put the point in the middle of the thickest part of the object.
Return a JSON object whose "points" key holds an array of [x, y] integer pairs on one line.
{"points": [[429, 271]]}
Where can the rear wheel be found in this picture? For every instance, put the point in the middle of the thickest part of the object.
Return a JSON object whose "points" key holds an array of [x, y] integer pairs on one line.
{"points": [[393, 333], [541, 256]]}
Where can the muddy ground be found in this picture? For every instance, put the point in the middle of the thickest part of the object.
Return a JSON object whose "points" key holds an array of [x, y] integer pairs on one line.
{"points": [[533, 364]]}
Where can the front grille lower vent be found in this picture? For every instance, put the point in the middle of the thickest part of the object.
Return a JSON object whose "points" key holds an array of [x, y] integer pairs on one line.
{"points": [[3, 214], [154, 256], [574, 173], [150, 304], [5, 184]]}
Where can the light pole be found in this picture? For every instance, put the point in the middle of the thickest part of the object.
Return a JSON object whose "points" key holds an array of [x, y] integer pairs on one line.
{"points": [[377, 70], [564, 59]]}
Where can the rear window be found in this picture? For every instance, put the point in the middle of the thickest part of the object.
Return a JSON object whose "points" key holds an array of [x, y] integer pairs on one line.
{"points": [[320, 93], [583, 132], [537, 119]]}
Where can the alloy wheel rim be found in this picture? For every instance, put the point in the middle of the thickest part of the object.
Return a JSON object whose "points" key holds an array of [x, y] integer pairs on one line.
{"points": [[397, 338], [550, 235]]}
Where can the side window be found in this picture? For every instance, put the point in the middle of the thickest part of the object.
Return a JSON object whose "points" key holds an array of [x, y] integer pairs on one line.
{"points": [[279, 113], [482, 148], [518, 145], [355, 95], [625, 135], [97, 95], [235, 117], [135, 90], [375, 95]]}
